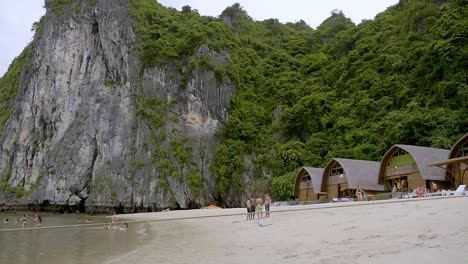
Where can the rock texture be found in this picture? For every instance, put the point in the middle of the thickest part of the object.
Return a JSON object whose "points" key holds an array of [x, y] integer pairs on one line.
{"points": [[83, 133]]}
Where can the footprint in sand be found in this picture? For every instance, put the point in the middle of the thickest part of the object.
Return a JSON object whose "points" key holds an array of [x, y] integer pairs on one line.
{"points": [[372, 237], [427, 236], [290, 256]]}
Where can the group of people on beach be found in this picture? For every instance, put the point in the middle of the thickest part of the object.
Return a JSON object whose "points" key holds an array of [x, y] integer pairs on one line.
{"points": [[37, 221], [256, 205], [421, 190]]}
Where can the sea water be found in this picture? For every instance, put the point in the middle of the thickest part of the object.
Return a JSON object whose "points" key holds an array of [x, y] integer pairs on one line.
{"points": [[87, 244]]}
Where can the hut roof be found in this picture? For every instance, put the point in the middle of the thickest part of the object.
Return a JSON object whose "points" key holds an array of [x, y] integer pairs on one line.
{"points": [[361, 173], [424, 156], [457, 145]]}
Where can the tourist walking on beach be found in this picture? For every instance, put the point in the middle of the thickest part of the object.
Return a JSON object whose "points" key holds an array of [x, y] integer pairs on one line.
{"points": [[252, 207], [267, 205], [247, 204], [259, 208]]}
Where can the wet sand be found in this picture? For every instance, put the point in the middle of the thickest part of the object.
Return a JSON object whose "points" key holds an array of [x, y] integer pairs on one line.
{"points": [[423, 231]]}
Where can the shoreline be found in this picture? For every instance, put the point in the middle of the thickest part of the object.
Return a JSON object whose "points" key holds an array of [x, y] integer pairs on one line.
{"points": [[223, 212], [431, 230]]}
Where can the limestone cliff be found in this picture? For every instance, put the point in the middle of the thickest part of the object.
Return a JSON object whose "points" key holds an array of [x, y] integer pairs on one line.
{"points": [[91, 128]]}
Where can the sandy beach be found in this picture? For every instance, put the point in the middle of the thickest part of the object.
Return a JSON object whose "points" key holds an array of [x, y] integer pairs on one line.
{"points": [[424, 231]]}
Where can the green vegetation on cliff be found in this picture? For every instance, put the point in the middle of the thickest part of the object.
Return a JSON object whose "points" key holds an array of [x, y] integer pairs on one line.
{"points": [[10, 84], [305, 95]]}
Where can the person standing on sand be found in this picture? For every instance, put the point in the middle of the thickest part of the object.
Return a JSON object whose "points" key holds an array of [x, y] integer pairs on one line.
{"points": [[252, 207], [247, 204], [259, 208], [267, 205]]}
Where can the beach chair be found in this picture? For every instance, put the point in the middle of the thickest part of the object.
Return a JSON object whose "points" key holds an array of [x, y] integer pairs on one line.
{"points": [[458, 192], [438, 193], [409, 196]]}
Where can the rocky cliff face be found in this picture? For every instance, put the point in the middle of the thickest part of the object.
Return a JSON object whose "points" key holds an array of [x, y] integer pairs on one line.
{"points": [[91, 128]]}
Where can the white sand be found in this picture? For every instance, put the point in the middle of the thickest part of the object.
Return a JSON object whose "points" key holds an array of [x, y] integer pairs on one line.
{"points": [[420, 231]]}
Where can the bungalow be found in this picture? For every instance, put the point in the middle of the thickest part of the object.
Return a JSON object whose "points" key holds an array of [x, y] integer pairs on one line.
{"points": [[342, 177], [406, 167], [308, 184]]}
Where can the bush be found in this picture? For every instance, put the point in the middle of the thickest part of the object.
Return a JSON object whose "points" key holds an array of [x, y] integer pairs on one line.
{"points": [[282, 187]]}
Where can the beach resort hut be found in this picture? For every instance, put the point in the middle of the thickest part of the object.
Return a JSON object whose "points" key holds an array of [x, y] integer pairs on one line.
{"points": [[456, 165], [342, 177], [308, 184], [406, 167]]}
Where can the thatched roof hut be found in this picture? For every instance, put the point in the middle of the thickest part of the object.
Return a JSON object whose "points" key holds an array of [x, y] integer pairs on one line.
{"points": [[456, 164], [344, 176], [410, 164], [308, 184]]}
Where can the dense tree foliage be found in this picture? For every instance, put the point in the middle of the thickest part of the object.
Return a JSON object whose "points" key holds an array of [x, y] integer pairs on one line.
{"points": [[341, 90]]}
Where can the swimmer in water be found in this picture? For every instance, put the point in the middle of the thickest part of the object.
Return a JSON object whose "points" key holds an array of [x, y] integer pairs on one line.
{"points": [[24, 220], [124, 228], [37, 220]]}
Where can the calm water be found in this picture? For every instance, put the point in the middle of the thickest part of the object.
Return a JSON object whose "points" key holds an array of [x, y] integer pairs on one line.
{"points": [[90, 244]]}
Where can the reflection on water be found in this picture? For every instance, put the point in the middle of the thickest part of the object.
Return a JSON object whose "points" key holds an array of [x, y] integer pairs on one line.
{"points": [[90, 244]]}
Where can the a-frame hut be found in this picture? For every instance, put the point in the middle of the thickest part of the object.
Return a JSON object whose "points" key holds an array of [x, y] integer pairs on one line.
{"points": [[406, 167], [342, 177], [457, 164], [308, 184]]}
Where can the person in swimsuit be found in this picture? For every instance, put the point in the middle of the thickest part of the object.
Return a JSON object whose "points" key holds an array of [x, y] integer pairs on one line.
{"points": [[259, 208], [37, 220], [24, 220], [267, 205]]}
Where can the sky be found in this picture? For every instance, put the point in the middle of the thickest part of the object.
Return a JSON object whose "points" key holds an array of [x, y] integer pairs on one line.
{"points": [[17, 17]]}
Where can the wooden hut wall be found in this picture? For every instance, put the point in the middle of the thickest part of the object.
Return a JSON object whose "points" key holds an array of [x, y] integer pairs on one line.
{"points": [[414, 180], [333, 188]]}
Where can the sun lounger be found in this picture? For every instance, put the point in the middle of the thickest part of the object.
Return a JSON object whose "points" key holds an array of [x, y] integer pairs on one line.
{"points": [[342, 200], [410, 195], [433, 194], [458, 192]]}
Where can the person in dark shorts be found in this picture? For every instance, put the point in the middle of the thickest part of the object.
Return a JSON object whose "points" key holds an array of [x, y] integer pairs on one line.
{"points": [[252, 206], [247, 204]]}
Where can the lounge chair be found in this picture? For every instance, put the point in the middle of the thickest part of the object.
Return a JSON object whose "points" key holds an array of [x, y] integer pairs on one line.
{"points": [[458, 192], [409, 196], [438, 193]]}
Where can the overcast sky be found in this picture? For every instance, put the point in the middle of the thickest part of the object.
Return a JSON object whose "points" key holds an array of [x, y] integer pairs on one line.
{"points": [[17, 16]]}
